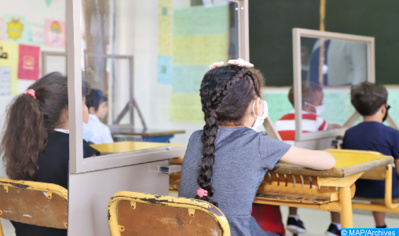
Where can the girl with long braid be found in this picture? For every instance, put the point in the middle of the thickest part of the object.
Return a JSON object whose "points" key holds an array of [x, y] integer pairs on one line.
{"points": [[226, 161]]}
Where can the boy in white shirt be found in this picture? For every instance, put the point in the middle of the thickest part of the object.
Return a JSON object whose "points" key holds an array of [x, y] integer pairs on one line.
{"points": [[98, 108]]}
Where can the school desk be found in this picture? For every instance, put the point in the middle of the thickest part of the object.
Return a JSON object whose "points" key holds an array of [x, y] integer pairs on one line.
{"points": [[128, 146], [147, 135], [327, 190]]}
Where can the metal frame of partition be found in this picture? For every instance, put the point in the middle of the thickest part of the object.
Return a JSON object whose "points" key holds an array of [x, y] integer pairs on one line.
{"points": [[46, 54], [131, 105], [297, 33], [74, 51]]}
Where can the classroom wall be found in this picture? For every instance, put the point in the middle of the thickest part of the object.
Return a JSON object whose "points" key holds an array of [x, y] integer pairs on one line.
{"points": [[33, 13]]}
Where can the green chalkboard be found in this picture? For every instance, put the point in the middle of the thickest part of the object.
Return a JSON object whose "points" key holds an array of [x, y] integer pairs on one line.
{"points": [[271, 23], [378, 19], [270, 35]]}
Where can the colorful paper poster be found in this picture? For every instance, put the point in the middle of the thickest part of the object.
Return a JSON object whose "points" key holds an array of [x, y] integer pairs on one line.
{"points": [[200, 38], [187, 79], [186, 108], [54, 33], [201, 21], [1, 28], [15, 27], [164, 27], [48, 2], [9, 59], [29, 62], [164, 69], [200, 50], [5, 80], [36, 33]]}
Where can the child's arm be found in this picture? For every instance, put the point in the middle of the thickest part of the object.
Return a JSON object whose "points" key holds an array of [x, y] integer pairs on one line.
{"points": [[397, 166], [318, 160]]}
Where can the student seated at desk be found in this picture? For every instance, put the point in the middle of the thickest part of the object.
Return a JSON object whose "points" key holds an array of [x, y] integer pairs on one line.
{"points": [[35, 144], [370, 100], [97, 104], [312, 109], [225, 162]]}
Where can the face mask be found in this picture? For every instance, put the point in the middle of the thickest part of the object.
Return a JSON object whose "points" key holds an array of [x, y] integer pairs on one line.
{"points": [[260, 119], [386, 113], [87, 133], [319, 109]]}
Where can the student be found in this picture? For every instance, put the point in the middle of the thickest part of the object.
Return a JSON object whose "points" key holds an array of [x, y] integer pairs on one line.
{"points": [[227, 160], [370, 100], [97, 104], [312, 109], [35, 143]]}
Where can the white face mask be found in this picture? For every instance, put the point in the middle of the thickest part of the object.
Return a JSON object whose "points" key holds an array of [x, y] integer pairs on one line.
{"points": [[260, 119], [319, 109]]}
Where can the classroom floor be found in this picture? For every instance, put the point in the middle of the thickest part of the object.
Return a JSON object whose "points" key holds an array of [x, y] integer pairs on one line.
{"points": [[316, 222]]}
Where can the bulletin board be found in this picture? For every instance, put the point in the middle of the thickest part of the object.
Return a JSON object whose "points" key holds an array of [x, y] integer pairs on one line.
{"points": [[27, 27]]}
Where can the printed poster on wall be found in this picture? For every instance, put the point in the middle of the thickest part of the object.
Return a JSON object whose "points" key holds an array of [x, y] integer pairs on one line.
{"points": [[1, 28], [28, 66], [54, 33], [5, 80], [9, 65], [15, 28], [36, 33]]}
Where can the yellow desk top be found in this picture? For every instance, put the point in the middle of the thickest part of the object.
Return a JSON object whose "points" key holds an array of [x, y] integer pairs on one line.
{"points": [[349, 162], [128, 146]]}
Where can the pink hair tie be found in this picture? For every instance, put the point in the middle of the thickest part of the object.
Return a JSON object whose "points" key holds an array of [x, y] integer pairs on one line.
{"points": [[202, 192], [31, 92]]}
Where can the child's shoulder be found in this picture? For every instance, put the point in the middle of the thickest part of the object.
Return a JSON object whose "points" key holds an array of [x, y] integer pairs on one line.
{"points": [[373, 127]]}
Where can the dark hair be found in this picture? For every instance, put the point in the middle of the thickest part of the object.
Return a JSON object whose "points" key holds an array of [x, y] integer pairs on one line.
{"points": [[226, 92], [367, 97], [308, 91], [28, 122], [95, 98]]}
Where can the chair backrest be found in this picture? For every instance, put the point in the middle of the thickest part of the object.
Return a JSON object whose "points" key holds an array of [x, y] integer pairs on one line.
{"points": [[34, 203], [131, 213]]}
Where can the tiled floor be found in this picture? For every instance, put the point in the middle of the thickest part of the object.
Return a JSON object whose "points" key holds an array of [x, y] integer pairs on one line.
{"points": [[316, 222]]}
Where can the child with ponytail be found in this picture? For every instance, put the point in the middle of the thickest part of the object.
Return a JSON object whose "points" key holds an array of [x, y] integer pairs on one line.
{"points": [[35, 144], [226, 161]]}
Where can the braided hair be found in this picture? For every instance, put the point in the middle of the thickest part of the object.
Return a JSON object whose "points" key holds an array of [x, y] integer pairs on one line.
{"points": [[226, 92]]}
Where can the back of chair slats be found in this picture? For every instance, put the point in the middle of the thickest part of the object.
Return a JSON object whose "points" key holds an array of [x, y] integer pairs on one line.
{"points": [[34, 203]]}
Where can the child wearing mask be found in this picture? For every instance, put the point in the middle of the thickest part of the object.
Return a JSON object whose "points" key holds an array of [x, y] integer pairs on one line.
{"points": [[226, 161], [312, 109], [370, 100]]}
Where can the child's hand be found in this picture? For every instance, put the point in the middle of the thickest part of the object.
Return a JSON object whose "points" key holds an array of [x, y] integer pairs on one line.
{"points": [[240, 62], [216, 64]]}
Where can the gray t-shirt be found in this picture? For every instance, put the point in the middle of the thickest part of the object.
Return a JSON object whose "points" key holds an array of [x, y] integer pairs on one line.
{"points": [[242, 158]]}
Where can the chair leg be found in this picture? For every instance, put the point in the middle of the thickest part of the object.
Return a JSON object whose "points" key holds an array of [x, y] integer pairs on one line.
{"points": [[1, 229]]}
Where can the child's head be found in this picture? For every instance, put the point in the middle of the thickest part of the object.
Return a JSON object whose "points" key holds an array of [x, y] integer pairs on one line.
{"points": [[227, 93], [29, 119], [97, 103], [312, 97], [369, 98]]}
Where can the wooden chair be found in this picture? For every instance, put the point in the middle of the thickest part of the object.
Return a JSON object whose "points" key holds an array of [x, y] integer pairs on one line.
{"points": [[131, 213], [34, 203]]}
